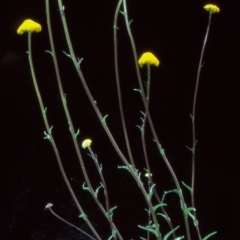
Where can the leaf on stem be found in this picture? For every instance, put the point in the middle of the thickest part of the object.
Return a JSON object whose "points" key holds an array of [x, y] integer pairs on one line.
{"points": [[110, 213], [85, 188], [66, 54], [150, 228], [188, 187], [164, 216], [83, 215], [76, 134], [151, 192], [170, 233], [47, 51], [104, 119], [137, 90], [98, 188], [188, 210], [113, 234], [209, 235], [195, 221], [158, 206]]}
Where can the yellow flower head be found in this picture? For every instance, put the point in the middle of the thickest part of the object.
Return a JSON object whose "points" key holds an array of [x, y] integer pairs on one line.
{"points": [[86, 143], [148, 58], [212, 8], [148, 174], [29, 26]]}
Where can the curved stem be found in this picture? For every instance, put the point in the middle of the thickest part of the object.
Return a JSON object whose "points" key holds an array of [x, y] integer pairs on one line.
{"points": [[151, 123], [144, 121], [131, 169], [118, 82], [50, 137], [193, 116], [69, 120], [104, 185], [49, 207]]}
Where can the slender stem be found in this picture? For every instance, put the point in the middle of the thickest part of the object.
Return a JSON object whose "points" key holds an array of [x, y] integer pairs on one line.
{"points": [[50, 137], [143, 127], [194, 141], [151, 124], [71, 127], [68, 223], [118, 82], [69, 120], [103, 182], [95, 107]]}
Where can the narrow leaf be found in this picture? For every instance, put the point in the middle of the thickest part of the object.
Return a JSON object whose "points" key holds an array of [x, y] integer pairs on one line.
{"points": [[170, 233], [209, 235]]}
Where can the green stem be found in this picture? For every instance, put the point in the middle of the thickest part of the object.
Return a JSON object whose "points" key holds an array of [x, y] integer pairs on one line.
{"points": [[69, 120], [194, 121], [95, 107], [150, 120], [49, 134], [118, 82], [104, 188], [143, 127]]}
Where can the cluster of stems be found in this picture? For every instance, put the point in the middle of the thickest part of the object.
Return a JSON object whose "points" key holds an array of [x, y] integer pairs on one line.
{"points": [[153, 200]]}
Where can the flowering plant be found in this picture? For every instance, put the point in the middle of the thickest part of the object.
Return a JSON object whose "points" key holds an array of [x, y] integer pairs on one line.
{"points": [[156, 205]]}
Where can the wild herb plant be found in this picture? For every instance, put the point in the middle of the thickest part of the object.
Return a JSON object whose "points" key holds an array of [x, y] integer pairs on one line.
{"points": [[156, 203]]}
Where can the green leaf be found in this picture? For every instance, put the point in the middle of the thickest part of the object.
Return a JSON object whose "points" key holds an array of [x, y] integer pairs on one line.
{"points": [[151, 191], [111, 211], [188, 187], [124, 167], [164, 216], [104, 119], [188, 210], [167, 192], [113, 235], [158, 206], [140, 128], [195, 221], [47, 51], [150, 228], [170, 233], [191, 116], [85, 188], [98, 188], [76, 134], [137, 90], [209, 235], [83, 215]]}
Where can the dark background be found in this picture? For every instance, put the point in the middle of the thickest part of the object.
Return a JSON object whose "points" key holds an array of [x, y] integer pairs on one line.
{"points": [[174, 32]]}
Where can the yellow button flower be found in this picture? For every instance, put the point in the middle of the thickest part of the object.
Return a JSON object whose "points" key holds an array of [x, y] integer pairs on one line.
{"points": [[212, 8], [86, 143], [148, 58], [148, 174], [29, 26]]}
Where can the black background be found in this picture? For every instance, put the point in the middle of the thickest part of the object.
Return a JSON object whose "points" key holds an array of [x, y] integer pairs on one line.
{"points": [[174, 32]]}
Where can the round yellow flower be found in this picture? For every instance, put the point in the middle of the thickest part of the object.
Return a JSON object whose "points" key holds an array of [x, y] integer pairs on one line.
{"points": [[86, 143], [148, 174], [212, 8], [148, 58], [29, 26]]}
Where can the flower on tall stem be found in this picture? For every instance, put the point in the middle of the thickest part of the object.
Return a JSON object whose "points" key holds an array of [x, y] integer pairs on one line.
{"points": [[86, 143], [212, 8], [29, 26], [148, 58]]}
